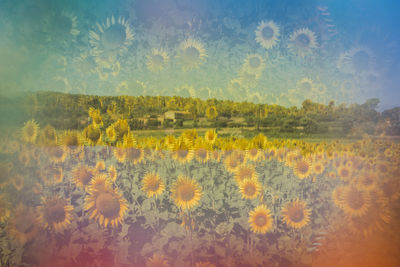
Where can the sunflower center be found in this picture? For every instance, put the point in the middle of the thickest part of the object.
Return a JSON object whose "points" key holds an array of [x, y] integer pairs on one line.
{"points": [[249, 189], [158, 60], [361, 60], [296, 214], [85, 176], [355, 199], [191, 54], [24, 223], [153, 184], [306, 86], [30, 130], [267, 33], [182, 153], [55, 213], [135, 153], [108, 205], [254, 62], [260, 220], [253, 151], [303, 40], [114, 36], [94, 134], [71, 140], [63, 25], [202, 153], [186, 192], [302, 167], [344, 173]]}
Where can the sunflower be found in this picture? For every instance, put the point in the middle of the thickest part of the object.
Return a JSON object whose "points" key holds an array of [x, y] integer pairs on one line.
{"points": [[121, 127], [302, 42], [302, 168], [244, 172], [267, 34], [337, 195], [4, 209], [210, 136], [55, 213], [48, 135], [354, 201], [191, 54], [344, 173], [367, 181], [231, 163], [152, 185], [135, 154], [120, 153], [57, 154], [157, 60], [23, 225], [62, 28], [186, 193], [111, 133], [182, 151], [99, 182], [318, 167], [250, 188], [106, 206], [157, 260], [356, 60], [72, 140], [254, 64], [255, 154], [296, 214], [30, 131], [260, 219], [82, 175], [92, 135], [112, 37], [376, 218]]}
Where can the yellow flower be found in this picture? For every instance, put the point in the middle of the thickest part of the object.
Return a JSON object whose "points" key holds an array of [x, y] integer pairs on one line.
{"points": [[191, 54], [354, 201], [302, 168], [157, 60], [55, 213], [106, 206], [30, 131], [72, 140], [112, 37], [302, 42], [267, 34], [152, 185], [111, 133], [254, 64], [210, 136], [244, 172], [250, 188], [260, 219], [82, 175], [186, 193], [120, 153], [92, 135], [296, 214]]}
